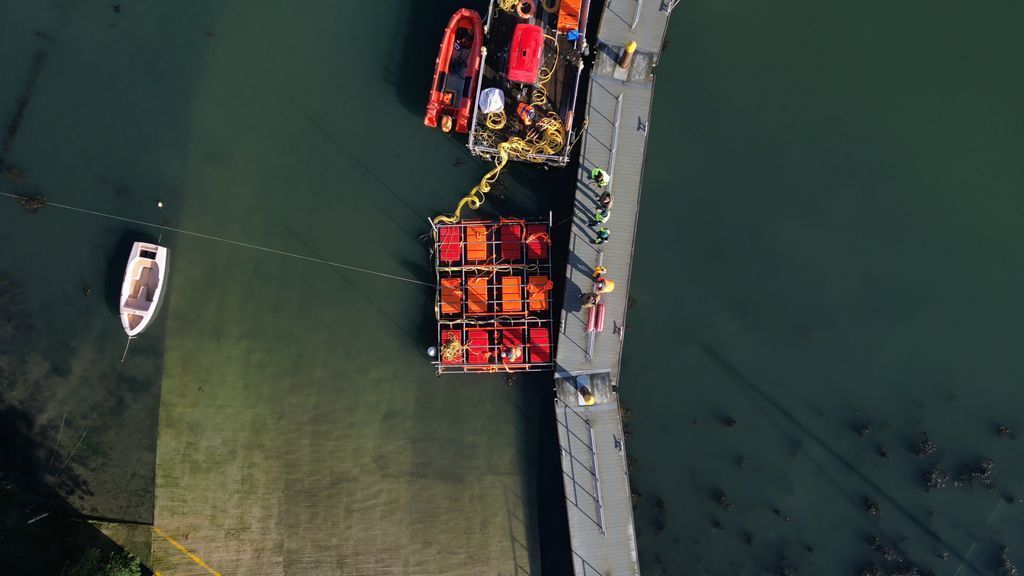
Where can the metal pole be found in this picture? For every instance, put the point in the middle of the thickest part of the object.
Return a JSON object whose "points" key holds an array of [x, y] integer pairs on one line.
{"points": [[597, 478], [636, 15], [476, 102], [615, 139]]}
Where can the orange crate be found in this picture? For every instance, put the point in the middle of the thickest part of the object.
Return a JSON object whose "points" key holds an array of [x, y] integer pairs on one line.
{"points": [[477, 289], [476, 243], [538, 291], [451, 296], [511, 294]]}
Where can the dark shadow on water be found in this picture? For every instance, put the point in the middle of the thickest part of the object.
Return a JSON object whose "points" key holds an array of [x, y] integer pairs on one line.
{"points": [[549, 510], [75, 447], [39, 530]]}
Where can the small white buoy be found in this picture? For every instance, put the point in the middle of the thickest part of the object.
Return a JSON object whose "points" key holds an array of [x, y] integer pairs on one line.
{"points": [[432, 351], [159, 204]]}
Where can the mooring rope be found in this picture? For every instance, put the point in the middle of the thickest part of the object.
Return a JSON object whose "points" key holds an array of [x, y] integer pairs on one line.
{"points": [[225, 240]]}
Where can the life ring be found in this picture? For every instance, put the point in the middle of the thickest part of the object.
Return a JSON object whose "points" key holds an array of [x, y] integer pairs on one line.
{"points": [[526, 8]]}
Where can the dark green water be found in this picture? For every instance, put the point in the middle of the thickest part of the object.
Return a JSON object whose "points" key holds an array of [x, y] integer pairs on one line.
{"points": [[830, 237], [830, 222]]}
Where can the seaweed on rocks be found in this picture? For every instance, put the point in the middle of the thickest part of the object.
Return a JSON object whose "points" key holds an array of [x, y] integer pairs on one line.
{"points": [[1006, 567], [977, 474], [872, 570], [935, 478], [882, 549], [925, 446], [872, 507], [32, 203], [718, 496]]}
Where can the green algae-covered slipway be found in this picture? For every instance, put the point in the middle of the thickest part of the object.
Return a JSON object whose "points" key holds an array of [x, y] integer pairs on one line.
{"points": [[281, 416]]}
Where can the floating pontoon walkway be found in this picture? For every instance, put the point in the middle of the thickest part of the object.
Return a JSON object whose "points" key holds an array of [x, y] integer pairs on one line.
{"points": [[594, 468]]}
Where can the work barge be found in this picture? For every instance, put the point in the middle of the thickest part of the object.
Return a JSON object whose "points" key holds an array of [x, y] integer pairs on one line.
{"points": [[494, 278], [549, 83]]}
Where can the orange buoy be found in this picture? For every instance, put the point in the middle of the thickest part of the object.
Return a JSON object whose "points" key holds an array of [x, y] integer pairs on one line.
{"points": [[526, 8], [526, 113]]}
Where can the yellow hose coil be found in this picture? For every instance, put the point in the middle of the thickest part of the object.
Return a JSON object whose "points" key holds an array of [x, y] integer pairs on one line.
{"points": [[452, 350], [496, 120]]}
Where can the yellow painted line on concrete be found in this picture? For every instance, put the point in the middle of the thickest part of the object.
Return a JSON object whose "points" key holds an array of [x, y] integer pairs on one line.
{"points": [[186, 552]]}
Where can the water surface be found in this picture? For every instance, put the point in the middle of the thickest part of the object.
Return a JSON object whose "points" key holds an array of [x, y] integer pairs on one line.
{"points": [[829, 239]]}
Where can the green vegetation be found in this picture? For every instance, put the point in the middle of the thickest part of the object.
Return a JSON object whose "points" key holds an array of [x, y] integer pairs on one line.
{"points": [[93, 563]]}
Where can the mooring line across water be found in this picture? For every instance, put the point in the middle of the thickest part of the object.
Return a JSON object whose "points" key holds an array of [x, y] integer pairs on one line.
{"points": [[225, 240]]}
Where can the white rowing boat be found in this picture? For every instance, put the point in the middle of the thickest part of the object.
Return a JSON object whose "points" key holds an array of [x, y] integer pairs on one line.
{"points": [[143, 287]]}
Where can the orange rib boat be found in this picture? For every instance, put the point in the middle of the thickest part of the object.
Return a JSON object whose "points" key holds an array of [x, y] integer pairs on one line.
{"points": [[458, 61]]}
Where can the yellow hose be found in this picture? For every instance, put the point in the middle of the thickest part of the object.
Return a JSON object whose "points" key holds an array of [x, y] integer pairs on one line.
{"points": [[452, 350], [476, 196], [496, 120]]}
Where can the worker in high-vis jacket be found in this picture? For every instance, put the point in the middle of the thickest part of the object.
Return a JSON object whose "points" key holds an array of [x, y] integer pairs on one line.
{"points": [[600, 217], [600, 176], [602, 236]]}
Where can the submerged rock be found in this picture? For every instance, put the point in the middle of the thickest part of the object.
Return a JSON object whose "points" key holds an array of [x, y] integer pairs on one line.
{"points": [[935, 479], [873, 570], [872, 507], [1006, 568], [882, 549], [925, 446], [32, 203], [719, 496], [975, 474]]}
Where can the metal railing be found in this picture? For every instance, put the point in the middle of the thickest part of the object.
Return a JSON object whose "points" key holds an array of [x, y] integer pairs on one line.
{"points": [[575, 462], [636, 14], [586, 568]]}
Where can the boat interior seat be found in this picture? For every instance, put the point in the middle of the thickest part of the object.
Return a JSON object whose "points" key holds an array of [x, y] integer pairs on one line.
{"points": [[140, 301]]}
